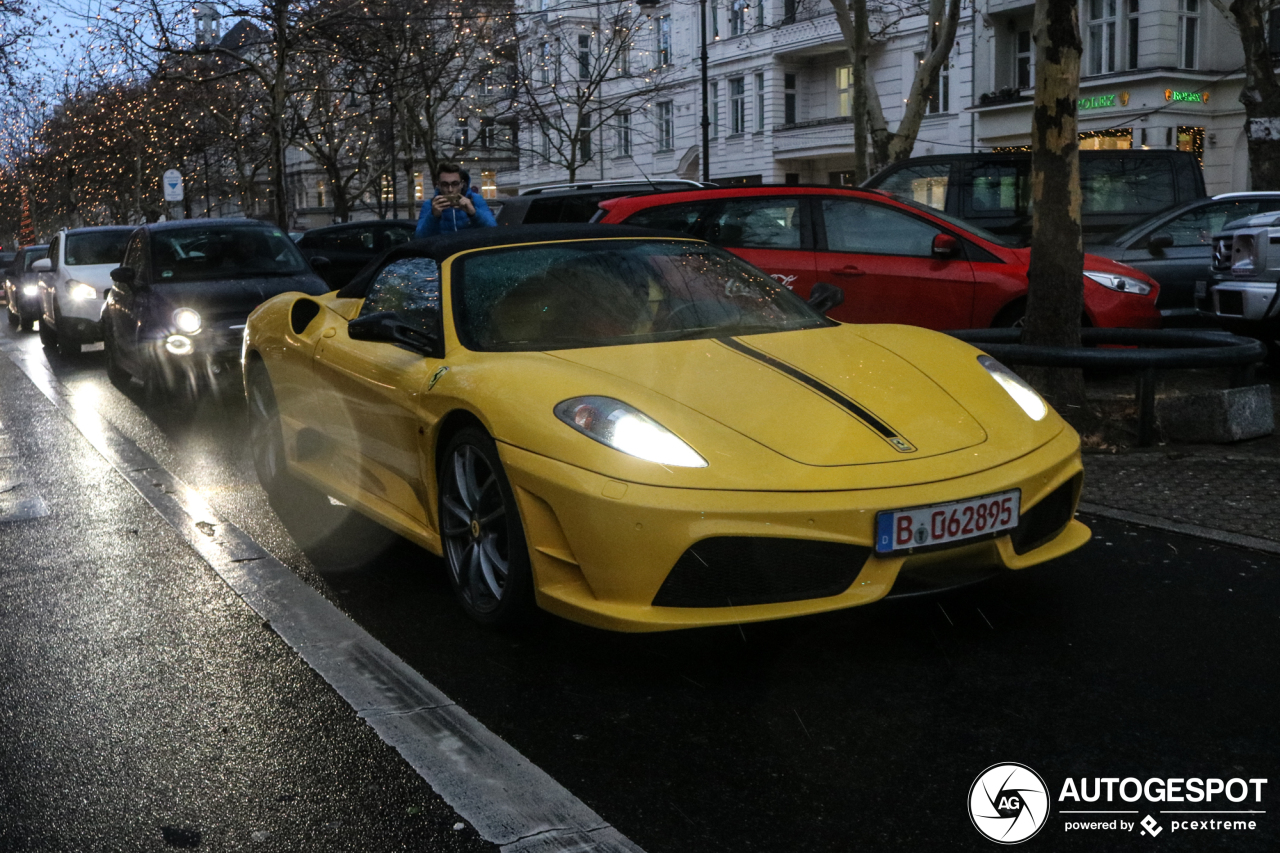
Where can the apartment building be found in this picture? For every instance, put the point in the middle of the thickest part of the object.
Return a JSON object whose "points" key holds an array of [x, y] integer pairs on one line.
{"points": [[1156, 74]]}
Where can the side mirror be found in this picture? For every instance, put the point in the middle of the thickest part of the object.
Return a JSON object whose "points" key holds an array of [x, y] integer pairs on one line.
{"points": [[1157, 243], [386, 326], [124, 275], [42, 265], [825, 296], [319, 262], [945, 246]]}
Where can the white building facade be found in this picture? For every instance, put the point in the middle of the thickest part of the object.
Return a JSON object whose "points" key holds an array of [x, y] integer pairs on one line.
{"points": [[1156, 74]]}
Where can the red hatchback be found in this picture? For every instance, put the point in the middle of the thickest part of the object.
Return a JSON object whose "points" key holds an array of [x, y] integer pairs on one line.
{"points": [[896, 262]]}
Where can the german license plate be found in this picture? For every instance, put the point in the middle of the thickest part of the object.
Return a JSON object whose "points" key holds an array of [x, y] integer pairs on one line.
{"points": [[920, 527]]}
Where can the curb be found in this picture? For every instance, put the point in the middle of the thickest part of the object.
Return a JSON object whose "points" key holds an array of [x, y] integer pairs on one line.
{"points": [[1238, 540]]}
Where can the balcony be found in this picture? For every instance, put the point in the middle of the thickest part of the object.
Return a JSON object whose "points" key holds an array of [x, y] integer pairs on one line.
{"points": [[809, 137]]}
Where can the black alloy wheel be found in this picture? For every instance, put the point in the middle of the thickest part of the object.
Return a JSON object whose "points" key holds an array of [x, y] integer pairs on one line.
{"points": [[483, 538]]}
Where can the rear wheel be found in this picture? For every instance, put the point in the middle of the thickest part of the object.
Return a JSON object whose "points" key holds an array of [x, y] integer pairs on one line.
{"points": [[483, 538], [48, 337], [115, 371]]}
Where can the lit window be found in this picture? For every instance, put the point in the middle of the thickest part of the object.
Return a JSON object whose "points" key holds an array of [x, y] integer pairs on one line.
{"points": [[844, 90]]}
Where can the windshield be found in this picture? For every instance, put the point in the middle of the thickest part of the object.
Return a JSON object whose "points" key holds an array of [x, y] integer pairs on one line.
{"points": [[32, 255], [214, 252], [96, 247], [958, 223], [606, 293]]}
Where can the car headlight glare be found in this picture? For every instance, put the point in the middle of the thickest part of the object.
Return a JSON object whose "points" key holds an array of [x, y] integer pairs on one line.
{"points": [[1122, 283], [187, 320], [617, 425], [30, 290], [1022, 393], [81, 291], [178, 344]]}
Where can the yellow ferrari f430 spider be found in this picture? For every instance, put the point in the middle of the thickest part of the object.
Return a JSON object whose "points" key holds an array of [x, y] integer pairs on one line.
{"points": [[642, 432]]}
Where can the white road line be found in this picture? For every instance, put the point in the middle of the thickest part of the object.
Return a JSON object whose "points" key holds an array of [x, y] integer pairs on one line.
{"points": [[509, 800]]}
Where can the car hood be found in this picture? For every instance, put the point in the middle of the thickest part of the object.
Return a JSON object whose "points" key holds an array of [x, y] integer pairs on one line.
{"points": [[818, 399], [97, 276], [234, 297]]}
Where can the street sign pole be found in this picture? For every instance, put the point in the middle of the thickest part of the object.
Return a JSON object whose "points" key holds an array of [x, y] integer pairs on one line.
{"points": [[172, 185]]}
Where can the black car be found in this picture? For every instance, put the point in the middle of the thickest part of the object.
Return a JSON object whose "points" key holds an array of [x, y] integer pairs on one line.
{"points": [[22, 287], [346, 248], [1176, 248], [175, 315], [577, 202]]}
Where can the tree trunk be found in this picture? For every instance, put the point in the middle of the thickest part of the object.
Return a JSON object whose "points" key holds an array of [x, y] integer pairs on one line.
{"points": [[942, 34], [853, 26], [1055, 300], [1260, 95]]}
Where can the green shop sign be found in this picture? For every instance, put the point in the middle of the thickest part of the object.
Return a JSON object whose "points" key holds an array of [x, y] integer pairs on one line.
{"points": [[1097, 102], [1186, 97]]}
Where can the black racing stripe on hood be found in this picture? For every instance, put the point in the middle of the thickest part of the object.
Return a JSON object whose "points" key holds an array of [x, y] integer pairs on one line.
{"points": [[886, 432]]}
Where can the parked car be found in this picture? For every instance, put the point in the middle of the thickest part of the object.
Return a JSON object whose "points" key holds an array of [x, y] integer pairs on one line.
{"points": [[1245, 297], [338, 252], [993, 190], [896, 261], [176, 311], [604, 423], [1176, 249], [576, 202], [22, 287], [74, 279]]}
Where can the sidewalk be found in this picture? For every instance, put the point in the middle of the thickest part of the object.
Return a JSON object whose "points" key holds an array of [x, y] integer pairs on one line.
{"points": [[1228, 492]]}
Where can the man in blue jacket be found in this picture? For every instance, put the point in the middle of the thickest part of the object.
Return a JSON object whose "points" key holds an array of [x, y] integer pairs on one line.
{"points": [[455, 206]]}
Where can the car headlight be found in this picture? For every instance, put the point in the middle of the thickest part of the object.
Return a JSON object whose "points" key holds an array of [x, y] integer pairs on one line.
{"points": [[187, 320], [1022, 393], [614, 423], [80, 290], [1122, 283], [179, 345], [30, 290]]}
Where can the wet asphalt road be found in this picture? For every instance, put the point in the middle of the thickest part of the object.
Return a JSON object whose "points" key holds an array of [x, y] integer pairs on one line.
{"points": [[141, 694]]}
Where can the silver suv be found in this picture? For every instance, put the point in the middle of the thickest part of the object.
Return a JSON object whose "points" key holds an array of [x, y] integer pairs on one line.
{"points": [[1246, 268], [74, 280]]}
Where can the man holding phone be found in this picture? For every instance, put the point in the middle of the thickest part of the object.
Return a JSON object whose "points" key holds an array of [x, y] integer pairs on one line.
{"points": [[455, 206]]}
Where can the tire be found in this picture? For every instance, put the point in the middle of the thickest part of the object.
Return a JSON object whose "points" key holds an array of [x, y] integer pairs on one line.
{"points": [[67, 346], [266, 438], [480, 529], [27, 323], [48, 337], [1011, 316], [14, 319], [119, 377]]}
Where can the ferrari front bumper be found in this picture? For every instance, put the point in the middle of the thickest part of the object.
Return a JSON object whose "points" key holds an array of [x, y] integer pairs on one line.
{"points": [[602, 549]]}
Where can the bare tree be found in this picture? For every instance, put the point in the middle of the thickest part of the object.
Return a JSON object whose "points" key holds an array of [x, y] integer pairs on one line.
{"points": [[871, 130], [1055, 299], [578, 75], [1261, 92]]}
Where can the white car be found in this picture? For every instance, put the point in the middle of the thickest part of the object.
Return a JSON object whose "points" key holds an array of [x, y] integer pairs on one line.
{"points": [[74, 280]]}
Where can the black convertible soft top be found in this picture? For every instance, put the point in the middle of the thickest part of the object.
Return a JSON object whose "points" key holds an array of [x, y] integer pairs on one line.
{"points": [[446, 245]]}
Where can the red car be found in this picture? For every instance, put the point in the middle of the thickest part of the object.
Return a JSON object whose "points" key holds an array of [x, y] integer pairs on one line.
{"points": [[897, 262]]}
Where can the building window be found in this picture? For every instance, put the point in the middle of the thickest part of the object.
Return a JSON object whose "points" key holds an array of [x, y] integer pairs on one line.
{"points": [[713, 107], [844, 90], [388, 188], [1102, 36], [1188, 32], [759, 102], [320, 196], [1022, 61], [544, 145], [461, 136], [737, 105], [713, 11], [788, 11], [584, 141], [489, 184], [738, 17], [940, 98], [664, 40], [488, 133], [584, 57], [789, 99], [1132, 25], [417, 188], [544, 63], [759, 13], [666, 126], [623, 127], [622, 35]]}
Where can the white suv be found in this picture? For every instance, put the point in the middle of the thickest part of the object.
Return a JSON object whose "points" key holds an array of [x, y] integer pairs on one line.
{"points": [[74, 279]]}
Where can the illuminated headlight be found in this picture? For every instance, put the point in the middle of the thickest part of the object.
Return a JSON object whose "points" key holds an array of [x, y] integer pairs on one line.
{"points": [[81, 291], [1122, 283], [30, 290], [1022, 393], [614, 423], [186, 320], [178, 344]]}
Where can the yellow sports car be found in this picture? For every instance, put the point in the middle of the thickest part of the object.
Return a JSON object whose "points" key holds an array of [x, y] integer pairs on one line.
{"points": [[642, 432]]}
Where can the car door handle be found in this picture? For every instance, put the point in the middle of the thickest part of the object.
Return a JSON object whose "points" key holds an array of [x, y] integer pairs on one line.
{"points": [[849, 270]]}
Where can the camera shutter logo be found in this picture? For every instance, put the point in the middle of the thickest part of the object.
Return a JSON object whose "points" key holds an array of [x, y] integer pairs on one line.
{"points": [[1008, 803]]}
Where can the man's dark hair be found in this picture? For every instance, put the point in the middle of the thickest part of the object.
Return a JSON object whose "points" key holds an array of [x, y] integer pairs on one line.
{"points": [[452, 167]]}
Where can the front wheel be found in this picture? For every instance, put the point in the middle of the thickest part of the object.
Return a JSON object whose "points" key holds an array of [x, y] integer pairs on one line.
{"points": [[115, 371], [266, 438], [48, 337], [483, 538]]}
